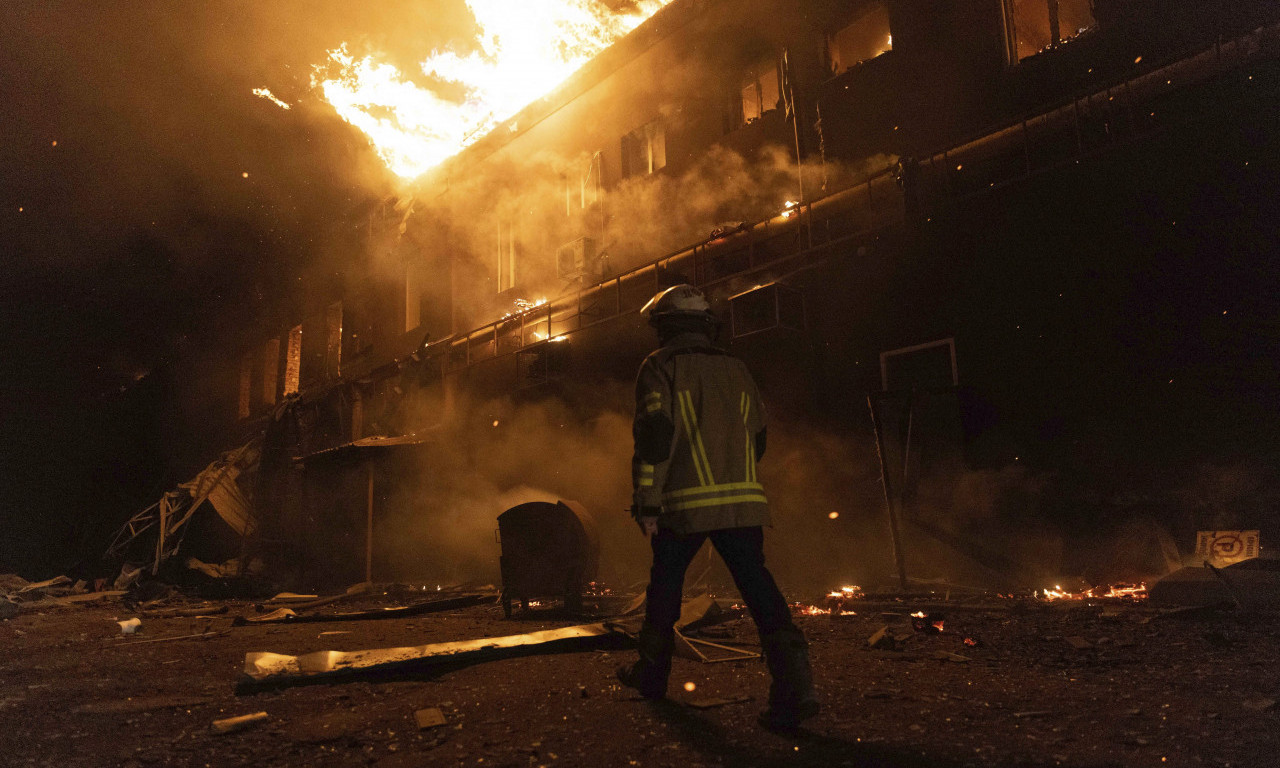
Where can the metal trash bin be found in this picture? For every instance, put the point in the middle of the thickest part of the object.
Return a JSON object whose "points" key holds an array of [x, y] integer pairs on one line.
{"points": [[548, 551]]}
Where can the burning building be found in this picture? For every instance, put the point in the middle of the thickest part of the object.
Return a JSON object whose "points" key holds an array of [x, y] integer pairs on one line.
{"points": [[1004, 270]]}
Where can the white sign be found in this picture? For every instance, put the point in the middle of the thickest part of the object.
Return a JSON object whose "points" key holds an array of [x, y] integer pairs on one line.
{"points": [[1226, 547]]}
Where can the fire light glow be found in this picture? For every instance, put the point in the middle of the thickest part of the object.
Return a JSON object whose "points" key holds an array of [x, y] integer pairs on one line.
{"points": [[522, 51]]}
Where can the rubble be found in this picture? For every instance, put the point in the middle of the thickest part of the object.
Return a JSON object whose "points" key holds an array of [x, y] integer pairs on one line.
{"points": [[233, 724]]}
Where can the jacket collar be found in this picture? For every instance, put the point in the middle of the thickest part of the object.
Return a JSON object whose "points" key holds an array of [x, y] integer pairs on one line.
{"points": [[686, 340]]}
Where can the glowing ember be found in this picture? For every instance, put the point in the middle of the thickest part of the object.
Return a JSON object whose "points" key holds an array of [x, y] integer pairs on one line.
{"points": [[269, 96], [833, 515], [522, 51], [1131, 591], [689, 687]]}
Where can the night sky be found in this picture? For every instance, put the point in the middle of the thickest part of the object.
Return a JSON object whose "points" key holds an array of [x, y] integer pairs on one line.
{"points": [[151, 202]]}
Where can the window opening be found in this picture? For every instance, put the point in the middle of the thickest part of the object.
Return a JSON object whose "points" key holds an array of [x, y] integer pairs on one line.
{"points": [[644, 150], [760, 90], [864, 37], [1038, 25]]}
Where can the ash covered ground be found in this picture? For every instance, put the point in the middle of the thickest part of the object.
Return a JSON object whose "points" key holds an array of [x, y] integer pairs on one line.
{"points": [[1088, 683]]}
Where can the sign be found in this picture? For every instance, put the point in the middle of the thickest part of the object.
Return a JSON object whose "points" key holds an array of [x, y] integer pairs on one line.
{"points": [[1226, 547]]}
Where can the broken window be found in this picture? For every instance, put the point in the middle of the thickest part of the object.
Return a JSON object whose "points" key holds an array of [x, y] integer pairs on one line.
{"points": [[865, 36], [270, 370], [760, 90], [644, 150], [246, 385], [505, 243], [333, 339], [293, 361], [1036, 25]]}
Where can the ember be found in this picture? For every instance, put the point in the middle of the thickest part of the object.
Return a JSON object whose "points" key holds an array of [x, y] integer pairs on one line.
{"points": [[1130, 591]]}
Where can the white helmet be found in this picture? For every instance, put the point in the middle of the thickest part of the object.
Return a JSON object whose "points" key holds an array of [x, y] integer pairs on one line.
{"points": [[681, 300]]}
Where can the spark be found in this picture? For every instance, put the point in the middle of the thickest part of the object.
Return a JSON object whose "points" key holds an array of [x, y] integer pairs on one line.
{"points": [[271, 97], [834, 515], [689, 687]]}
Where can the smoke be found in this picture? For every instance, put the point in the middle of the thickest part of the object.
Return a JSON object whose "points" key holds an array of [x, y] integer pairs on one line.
{"points": [[498, 453]]}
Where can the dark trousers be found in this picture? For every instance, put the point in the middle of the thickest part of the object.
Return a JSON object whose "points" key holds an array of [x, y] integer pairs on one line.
{"points": [[743, 552]]}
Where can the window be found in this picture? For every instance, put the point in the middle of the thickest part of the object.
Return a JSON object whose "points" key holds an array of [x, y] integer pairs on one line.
{"points": [[293, 361], [270, 370], [505, 252], [644, 150], [865, 36], [759, 90], [1036, 25]]}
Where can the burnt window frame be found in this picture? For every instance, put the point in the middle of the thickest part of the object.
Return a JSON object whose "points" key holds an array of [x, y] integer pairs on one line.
{"points": [[646, 137], [848, 20], [1054, 13]]}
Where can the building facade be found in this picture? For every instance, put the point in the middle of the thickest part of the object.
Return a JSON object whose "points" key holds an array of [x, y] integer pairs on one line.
{"points": [[1005, 270]]}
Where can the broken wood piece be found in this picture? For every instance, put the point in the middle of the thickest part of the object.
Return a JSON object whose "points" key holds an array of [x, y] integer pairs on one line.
{"points": [[262, 667], [207, 609], [431, 717], [233, 724], [949, 656]]}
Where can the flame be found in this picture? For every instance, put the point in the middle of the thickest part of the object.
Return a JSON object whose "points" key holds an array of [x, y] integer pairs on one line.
{"points": [[521, 52]]}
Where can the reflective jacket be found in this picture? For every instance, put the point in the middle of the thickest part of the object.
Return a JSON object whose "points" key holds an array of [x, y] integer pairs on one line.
{"points": [[699, 430]]}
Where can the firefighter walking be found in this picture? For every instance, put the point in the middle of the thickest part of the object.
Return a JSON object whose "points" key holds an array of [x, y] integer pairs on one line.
{"points": [[699, 431]]}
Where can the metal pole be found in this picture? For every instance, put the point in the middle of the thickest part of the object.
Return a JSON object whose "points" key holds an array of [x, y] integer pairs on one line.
{"points": [[895, 536]]}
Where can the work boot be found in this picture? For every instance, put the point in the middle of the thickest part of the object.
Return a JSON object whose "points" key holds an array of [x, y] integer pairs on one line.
{"points": [[649, 673], [792, 698]]}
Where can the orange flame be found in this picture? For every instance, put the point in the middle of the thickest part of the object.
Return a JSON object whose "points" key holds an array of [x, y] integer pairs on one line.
{"points": [[522, 51]]}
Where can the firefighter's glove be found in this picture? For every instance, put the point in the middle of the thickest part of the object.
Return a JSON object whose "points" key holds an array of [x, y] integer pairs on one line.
{"points": [[646, 518]]}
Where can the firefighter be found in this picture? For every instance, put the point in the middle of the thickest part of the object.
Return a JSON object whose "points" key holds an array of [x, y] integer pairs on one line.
{"points": [[699, 430]]}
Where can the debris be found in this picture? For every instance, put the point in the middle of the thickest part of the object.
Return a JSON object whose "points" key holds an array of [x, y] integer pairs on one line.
{"points": [[716, 702], [431, 717], [429, 606], [335, 632], [1079, 643], [881, 639], [205, 609], [880, 693], [264, 667], [201, 635], [7, 609], [138, 704], [54, 583], [1031, 713], [292, 597], [233, 724], [1258, 705], [949, 656], [130, 626]]}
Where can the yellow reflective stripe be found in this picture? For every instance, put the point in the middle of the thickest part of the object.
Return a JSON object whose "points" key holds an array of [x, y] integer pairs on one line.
{"points": [[708, 489], [653, 397], [646, 481], [696, 447], [646, 469], [689, 429], [651, 407], [680, 506]]}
